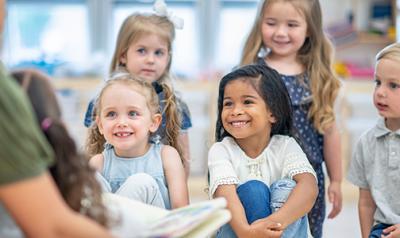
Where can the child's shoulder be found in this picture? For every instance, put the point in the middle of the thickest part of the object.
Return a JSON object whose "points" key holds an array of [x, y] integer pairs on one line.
{"points": [[226, 141], [283, 144], [368, 136], [167, 149], [282, 139], [224, 146], [168, 152], [96, 162], [170, 157]]}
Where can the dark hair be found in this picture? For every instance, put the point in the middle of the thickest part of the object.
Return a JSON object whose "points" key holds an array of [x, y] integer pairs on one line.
{"points": [[267, 82], [74, 178]]}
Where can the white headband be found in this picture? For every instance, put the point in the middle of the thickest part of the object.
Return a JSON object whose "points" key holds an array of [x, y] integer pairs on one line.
{"points": [[161, 10]]}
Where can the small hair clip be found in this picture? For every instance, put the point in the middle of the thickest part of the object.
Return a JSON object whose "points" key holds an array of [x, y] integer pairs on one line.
{"points": [[160, 7], [263, 52], [46, 123]]}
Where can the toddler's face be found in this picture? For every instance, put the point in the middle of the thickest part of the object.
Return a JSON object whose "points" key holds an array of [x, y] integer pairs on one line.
{"points": [[125, 120], [387, 91], [147, 58]]}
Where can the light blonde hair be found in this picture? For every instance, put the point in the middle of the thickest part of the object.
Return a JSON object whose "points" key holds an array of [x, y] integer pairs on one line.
{"points": [[95, 141], [316, 55], [391, 52]]}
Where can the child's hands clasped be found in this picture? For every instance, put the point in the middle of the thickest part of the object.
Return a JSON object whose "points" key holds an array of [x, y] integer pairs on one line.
{"points": [[392, 232], [266, 229], [335, 197]]}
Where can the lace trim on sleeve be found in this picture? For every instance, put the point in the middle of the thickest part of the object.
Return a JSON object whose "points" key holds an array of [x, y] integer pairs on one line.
{"points": [[295, 171], [222, 181], [298, 166]]}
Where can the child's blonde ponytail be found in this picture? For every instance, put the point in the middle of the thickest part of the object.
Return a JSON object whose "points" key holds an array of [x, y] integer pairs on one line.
{"points": [[173, 123], [95, 140]]}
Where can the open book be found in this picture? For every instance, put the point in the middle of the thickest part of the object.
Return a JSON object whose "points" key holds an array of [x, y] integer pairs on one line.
{"points": [[197, 220]]}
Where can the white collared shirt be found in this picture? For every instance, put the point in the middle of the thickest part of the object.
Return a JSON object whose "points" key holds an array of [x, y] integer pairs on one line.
{"points": [[282, 158]]}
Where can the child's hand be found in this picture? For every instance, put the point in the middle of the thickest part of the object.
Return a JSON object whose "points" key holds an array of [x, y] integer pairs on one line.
{"points": [[392, 232], [266, 229], [335, 197]]}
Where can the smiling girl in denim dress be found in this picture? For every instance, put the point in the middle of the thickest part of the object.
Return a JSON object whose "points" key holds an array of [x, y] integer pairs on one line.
{"points": [[131, 165]]}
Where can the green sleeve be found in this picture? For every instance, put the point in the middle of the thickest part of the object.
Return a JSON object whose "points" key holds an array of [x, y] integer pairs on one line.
{"points": [[24, 151]]}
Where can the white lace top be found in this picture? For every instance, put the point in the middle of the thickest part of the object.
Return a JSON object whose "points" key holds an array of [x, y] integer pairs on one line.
{"points": [[282, 158]]}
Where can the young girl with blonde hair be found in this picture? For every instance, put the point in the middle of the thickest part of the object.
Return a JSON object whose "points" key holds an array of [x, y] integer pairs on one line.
{"points": [[144, 49], [288, 36], [131, 165]]}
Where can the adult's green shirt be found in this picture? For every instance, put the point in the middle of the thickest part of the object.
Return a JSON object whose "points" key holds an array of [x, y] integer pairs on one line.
{"points": [[24, 151]]}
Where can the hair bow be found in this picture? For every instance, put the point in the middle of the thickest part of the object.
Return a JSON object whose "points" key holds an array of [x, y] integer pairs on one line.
{"points": [[160, 7]]}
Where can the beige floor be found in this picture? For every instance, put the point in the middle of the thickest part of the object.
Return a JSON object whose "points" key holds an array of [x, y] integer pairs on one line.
{"points": [[345, 225]]}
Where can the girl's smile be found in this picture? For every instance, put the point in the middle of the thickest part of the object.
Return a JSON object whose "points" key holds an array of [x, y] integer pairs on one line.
{"points": [[284, 29], [125, 120], [244, 114], [123, 134], [239, 124]]}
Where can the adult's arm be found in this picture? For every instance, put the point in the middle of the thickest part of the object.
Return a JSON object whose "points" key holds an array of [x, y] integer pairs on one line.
{"points": [[37, 207]]}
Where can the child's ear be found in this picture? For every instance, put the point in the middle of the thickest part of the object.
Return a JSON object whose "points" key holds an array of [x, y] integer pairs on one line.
{"points": [[123, 58], [271, 118], [99, 125], [156, 122]]}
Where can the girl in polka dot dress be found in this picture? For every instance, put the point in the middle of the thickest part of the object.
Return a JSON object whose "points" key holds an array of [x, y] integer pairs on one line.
{"points": [[288, 36]]}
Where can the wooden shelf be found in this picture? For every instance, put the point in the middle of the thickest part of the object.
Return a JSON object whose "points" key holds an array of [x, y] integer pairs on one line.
{"points": [[365, 38], [370, 38], [77, 83]]}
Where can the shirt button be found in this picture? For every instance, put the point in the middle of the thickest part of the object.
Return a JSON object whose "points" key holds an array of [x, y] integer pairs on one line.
{"points": [[393, 153]]}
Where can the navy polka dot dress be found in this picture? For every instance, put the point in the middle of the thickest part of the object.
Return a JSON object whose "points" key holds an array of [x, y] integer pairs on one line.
{"points": [[310, 140]]}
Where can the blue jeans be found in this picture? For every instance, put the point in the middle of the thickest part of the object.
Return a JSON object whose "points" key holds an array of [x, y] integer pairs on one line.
{"points": [[260, 201], [376, 230]]}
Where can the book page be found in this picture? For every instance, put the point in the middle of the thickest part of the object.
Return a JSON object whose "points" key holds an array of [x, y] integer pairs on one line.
{"points": [[181, 221]]}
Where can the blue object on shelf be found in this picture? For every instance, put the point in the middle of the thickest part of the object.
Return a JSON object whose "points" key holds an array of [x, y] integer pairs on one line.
{"points": [[42, 64], [381, 10]]}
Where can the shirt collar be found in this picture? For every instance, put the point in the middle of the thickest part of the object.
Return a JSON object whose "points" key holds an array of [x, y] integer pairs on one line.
{"points": [[381, 129]]}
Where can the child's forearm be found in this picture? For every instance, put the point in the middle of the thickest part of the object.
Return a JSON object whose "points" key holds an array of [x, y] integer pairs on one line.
{"points": [[332, 154], [184, 142], [239, 221], [366, 221], [300, 201], [366, 210]]}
